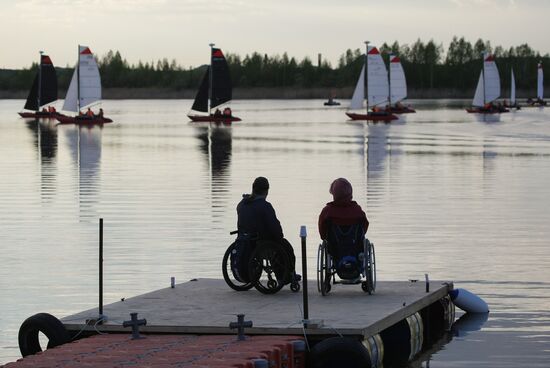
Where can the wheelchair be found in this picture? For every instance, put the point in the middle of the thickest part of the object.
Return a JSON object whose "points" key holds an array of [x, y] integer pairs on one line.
{"points": [[263, 264], [346, 258]]}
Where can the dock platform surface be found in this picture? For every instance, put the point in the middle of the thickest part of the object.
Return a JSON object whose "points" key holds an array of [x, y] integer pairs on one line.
{"points": [[207, 306]]}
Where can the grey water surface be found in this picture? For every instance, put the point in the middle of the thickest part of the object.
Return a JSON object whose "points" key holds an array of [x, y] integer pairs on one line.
{"points": [[458, 196]]}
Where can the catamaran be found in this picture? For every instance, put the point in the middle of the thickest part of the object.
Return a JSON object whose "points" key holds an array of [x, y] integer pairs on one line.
{"points": [[43, 91], [84, 91], [539, 101], [398, 87], [488, 89], [215, 90], [377, 89]]}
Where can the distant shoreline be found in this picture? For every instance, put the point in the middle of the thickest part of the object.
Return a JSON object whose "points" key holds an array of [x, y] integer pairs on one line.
{"points": [[263, 93]]}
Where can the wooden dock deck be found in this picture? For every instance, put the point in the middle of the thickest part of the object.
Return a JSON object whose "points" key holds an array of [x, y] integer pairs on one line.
{"points": [[207, 306]]}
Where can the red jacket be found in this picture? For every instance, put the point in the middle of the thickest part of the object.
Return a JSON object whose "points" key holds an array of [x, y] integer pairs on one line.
{"points": [[345, 212]]}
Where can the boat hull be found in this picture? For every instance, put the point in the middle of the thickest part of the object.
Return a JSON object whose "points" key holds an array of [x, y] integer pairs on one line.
{"points": [[477, 110], [401, 110], [39, 115], [213, 119], [83, 120], [332, 103], [372, 116]]}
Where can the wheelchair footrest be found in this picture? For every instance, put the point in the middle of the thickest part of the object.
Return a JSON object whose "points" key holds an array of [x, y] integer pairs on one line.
{"points": [[349, 282]]}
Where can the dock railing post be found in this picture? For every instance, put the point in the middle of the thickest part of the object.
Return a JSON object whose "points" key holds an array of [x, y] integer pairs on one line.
{"points": [[100, 268], [303, 236]]}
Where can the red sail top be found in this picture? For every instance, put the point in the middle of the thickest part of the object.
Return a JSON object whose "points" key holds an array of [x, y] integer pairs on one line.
{"points": [[217, 53], [86, 51], [490, 58], [45, 60], [395, 59], [374, 51]]}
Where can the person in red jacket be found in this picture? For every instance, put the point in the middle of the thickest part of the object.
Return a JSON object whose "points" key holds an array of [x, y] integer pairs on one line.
{"points": [[343, 210]]}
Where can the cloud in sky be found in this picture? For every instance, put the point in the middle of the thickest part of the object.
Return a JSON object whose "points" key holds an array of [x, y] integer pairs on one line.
{"points": [[181, 29]]}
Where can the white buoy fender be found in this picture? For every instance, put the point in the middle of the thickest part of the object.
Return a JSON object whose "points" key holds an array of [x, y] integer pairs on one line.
{"points": [[468, 302]]}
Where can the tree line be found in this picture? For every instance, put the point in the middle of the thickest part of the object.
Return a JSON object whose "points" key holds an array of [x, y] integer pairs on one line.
{"points": [[427, 65]]}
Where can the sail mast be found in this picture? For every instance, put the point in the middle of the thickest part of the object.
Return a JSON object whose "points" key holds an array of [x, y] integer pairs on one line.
{"points": [[78, 81], [389, 80], [366, 75], [39, 97], [483, 69], [210, 79]]}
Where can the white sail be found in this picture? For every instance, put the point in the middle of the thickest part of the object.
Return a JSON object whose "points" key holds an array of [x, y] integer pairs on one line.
{"points": [[359, 93], [513, 90], [398, 83], [71, 99], [540, 77], [377, 78], [90, 81], [85, 83], [478, 97], [492, 79]]}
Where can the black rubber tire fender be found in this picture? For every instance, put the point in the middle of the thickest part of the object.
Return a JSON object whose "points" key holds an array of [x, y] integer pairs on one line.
{"points": [[337, 352], [49, 326]]}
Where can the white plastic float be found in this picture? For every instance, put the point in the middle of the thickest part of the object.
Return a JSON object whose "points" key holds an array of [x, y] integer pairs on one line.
{"points": [[468, 302]]}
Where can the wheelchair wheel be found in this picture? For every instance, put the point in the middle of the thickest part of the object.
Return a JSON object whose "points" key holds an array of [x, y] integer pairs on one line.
{"points": [[269, 267], [323, 270], [228, 273], [369, 285]]}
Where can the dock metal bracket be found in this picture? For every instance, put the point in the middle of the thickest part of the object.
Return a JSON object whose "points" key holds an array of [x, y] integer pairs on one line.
{"points": [[240, 325], [135, 323]]}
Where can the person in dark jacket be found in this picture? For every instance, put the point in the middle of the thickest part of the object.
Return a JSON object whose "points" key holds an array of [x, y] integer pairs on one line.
{"points": [[343, 210], [256, 217]]}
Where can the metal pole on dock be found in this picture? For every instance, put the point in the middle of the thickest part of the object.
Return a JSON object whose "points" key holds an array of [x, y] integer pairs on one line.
{"points": [[100, 268], [303, 235]]}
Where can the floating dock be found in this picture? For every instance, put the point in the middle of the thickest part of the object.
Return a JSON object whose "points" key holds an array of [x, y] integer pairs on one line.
{"points": [[207, 306], [393, 324]]}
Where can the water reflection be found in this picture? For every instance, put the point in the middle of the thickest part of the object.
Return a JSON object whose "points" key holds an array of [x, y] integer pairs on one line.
{"points": [[85, 147], [45, 142], [469, 322], [487, 118], [466, 324], [216, 145], [378, 147]]}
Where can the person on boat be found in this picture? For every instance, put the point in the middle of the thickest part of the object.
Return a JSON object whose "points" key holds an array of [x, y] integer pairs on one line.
{"points": [[227, 111], [217, 112], [44, 109], [342, 211], [90, 113], [100, 114], [256, 217], [375, 109]]}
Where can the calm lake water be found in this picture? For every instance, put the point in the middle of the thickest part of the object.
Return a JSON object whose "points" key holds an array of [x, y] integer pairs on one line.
{"points": [[447, 193]]}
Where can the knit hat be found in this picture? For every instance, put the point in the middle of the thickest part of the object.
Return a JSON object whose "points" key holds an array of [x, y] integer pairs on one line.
{"points": [[260, 185], [341, 190]]}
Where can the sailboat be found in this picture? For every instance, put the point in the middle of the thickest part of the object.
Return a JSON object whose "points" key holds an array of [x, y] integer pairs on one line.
{"points": [[398, 87], [539, 101], [84, 91], [377, 89], [43, 91], [513, 102], [215, 90], [488, 89]]}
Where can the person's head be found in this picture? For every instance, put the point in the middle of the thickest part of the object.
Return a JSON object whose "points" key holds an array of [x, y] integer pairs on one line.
{"points": [[260, 186], [341, 190]]}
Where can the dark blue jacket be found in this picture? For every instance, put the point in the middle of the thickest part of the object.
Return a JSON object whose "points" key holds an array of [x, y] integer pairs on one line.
{"points": [[257, 216]]}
